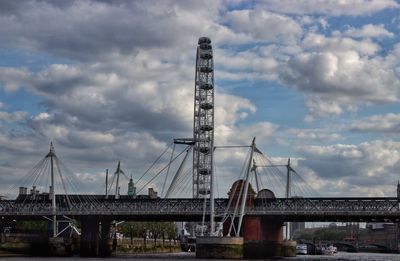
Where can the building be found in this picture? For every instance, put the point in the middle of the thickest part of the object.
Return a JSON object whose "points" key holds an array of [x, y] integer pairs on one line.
{"points": [[131, 188]]}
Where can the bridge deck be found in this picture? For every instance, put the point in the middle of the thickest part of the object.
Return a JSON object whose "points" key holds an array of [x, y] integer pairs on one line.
{"points": [[293, 209]]}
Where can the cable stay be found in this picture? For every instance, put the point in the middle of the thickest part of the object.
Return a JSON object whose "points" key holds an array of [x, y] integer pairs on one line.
{"points": [[169, 165], [155, 162], [289, 184], [162, 169], [177, 174]]}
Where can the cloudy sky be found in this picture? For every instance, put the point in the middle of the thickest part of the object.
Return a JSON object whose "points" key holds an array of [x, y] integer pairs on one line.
{"points": [[317, 81]]}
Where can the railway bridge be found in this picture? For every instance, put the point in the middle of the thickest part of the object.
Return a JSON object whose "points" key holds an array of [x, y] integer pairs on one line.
{"points": [[383, 209]]}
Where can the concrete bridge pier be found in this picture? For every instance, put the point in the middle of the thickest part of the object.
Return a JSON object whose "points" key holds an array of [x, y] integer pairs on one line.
{"points": [[95, 237]]}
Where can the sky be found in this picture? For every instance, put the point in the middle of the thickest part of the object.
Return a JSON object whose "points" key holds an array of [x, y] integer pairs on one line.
{"points": [[316, 81]]}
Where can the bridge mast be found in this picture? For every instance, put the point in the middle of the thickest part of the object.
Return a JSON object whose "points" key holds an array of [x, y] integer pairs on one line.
{"points": [[118, 172], [288, 195], [51, 155], [203, 125], [246, 187]]}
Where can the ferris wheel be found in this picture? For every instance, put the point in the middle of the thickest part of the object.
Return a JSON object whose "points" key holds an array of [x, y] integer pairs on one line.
{"points": [[203, 123]]}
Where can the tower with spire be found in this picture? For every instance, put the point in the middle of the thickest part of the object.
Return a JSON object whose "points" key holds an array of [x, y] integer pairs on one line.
{"points": [[131, 188]]}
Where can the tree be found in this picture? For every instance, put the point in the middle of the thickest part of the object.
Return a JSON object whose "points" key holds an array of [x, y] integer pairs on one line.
{"points": [[325, 234], [41, 225], [143, 229]]}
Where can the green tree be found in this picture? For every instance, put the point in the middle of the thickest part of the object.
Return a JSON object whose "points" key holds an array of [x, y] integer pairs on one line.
{"points": [[325, 234], [41, 225], [156, 230]]}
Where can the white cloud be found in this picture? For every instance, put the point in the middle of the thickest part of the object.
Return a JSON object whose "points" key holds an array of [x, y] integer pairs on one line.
{"points": [[264, 26], [366, 31], [243, 134], [11, 79], [329, 7], [351, 169], [231, 108], [339, 81], [319, 135], [321, 43], [228, 114], [43, 116], [388, 123], [320, 107], [247, 65], [87, 30], [12, 116]]}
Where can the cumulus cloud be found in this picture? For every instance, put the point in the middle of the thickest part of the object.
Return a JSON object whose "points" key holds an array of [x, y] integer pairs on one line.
{"points": [[43, 116], [100, 34], [264, 26], [387, 123], [339, 81], [353, 168], [366, 31], [101, 99], [243, 134], [11, 79], [12, 116], [328, 7], [319, 135], [321, 43], [247, 65], [319, 108]]}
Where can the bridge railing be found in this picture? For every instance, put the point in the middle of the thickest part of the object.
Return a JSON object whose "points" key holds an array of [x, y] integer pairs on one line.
{"points": [[327, 206], [268, 207], [114, 207]]}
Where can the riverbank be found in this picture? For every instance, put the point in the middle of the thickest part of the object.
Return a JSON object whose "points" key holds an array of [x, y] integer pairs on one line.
{"points": [[141, 246], [341, 256]]}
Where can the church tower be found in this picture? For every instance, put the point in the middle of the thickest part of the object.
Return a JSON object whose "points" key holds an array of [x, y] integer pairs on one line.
{"points": [[131, 188]]}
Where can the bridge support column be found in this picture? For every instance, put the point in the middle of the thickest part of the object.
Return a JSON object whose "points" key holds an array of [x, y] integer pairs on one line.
{"points": [[219, 247], [105, 239], [263, 237], [90, 237], [95, 237]]}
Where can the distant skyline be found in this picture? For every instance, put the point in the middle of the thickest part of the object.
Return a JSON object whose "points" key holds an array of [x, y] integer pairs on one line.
{"points": [[316, 81]]}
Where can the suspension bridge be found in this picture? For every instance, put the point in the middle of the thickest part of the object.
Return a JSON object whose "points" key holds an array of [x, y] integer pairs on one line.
{"points": [[244, 210]]}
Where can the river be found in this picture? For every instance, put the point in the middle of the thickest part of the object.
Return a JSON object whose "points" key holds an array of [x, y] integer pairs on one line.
{"points": [[342, 256]]}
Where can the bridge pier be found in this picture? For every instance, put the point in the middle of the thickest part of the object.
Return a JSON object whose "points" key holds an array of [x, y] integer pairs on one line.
{"points": [[89, 237], [263, 237], [106, 248], [95, 237]]}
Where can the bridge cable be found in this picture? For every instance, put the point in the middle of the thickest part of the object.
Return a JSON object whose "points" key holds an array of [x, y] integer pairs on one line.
{"points": [[178, 173], [184, 180], [62, 181], [166, 176], [162, 169], [159, 157]]}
